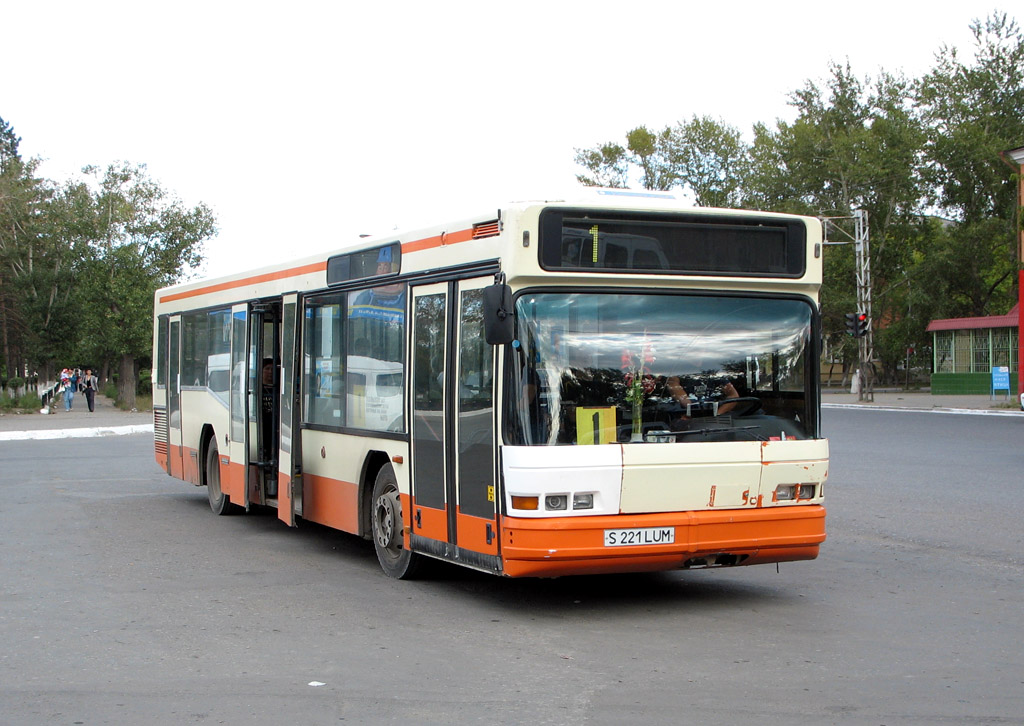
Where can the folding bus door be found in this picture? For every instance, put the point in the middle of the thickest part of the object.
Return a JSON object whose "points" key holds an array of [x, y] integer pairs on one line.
{"points": [[233, 481], [453, 509], [175, 456], [289, 487], [474, 450]]}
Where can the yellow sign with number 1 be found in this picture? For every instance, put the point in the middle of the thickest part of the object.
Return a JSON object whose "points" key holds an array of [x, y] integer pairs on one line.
{"points": [[595, 425]]}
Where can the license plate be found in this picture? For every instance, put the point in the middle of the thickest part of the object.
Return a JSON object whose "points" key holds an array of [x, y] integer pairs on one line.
{"points": [[639, 536]]}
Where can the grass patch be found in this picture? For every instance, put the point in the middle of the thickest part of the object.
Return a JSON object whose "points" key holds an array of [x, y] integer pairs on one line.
{"points": [[26, 403]]}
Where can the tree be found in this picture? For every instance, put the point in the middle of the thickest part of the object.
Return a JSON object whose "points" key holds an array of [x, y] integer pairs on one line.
{"points": [[142, 239], [607, 166], [972, 112], [650, 152], [709, 158], [35, 271], [855, 144]]}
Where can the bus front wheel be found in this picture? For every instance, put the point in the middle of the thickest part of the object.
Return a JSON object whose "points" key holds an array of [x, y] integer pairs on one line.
{"points": [[386, 518], [220, 503]]}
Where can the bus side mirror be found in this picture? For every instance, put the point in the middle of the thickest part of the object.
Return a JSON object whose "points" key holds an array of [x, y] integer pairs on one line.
{"points": [[499, 322]]}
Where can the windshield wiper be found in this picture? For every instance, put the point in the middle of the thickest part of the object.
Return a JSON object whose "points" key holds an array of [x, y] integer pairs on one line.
{"points": [[759, 437]]}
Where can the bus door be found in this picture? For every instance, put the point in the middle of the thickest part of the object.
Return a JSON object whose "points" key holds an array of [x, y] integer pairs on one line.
{"points": [[289, 469], [453, 454], [175, 461], [238, 445], [262, 401]]}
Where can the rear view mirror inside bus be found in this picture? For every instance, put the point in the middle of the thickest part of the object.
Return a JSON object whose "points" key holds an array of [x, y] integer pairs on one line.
{"points": [[499, 322]]}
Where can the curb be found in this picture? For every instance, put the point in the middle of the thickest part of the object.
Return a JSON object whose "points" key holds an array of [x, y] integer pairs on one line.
{"points": [[83, 433], [961, 411]]}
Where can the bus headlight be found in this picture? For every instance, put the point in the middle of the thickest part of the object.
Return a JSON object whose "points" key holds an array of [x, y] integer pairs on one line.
{"points": [[556, 502], [582, 501], [789, 492], [785, 492]]}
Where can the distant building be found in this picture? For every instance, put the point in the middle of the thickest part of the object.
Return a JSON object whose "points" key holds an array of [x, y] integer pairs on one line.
{"points": [[966, 349]]}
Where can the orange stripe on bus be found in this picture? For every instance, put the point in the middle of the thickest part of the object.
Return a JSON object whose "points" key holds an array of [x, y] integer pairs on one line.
{"points": [[440, 240], [427, 243], [265, 277]]}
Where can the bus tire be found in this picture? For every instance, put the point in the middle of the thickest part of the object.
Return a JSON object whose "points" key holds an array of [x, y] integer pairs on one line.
{"points": [[219, 501], [386, 523]]}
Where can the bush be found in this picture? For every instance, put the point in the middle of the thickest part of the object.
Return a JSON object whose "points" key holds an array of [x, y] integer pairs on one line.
{"points": [[26, 402], [145, 384]]}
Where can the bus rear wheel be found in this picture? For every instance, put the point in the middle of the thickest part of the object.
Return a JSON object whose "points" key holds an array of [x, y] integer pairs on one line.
{"points": [[219, 501], [386, 522]]}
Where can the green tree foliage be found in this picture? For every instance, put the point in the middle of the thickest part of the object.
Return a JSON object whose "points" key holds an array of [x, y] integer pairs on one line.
{"points": [[606, 166], [972, 111], [703, 156], [854, 145], [35, 272], [141, 239], [80, 263], [710, 160], [920, 156]]}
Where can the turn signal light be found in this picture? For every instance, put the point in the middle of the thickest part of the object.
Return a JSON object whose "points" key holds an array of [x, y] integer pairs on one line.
{"points": [[525, 502]]}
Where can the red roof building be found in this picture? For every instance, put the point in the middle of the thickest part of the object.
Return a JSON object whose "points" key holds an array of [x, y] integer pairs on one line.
{"points": [[965, 350]]}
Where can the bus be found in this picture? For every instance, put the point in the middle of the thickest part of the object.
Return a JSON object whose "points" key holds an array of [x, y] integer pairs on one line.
{"points": [[618, 383]]}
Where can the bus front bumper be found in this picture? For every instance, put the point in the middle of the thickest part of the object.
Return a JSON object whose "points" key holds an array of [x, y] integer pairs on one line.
{"points": [[552, 547]]}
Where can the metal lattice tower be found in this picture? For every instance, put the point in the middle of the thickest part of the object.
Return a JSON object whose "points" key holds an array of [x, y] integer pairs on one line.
{"points": [[867, 347], [866, 353]]}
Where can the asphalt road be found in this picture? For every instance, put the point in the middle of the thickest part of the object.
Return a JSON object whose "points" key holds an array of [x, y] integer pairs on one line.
{"points": [[124, 600]]}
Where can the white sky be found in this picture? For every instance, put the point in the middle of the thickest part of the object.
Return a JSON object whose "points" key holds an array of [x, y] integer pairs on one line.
{"points": [[304, 124]]}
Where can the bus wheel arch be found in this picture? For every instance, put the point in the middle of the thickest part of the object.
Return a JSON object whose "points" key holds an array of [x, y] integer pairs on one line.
{"points": [[387, 527], [220, 503], [374, 462]]}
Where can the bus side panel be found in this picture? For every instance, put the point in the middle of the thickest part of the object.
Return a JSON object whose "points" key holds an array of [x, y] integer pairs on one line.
{"points": [[193, 417], [473, 534], [331, 502], [332, 468], [200, 410], [232, 480], [176, 458], [429, 522], [190, 466]]}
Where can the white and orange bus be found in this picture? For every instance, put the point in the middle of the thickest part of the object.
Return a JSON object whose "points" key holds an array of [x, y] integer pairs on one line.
{"points": [[609, 385]]}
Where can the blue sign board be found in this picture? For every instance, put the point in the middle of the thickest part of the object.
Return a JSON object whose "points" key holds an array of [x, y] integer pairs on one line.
{"points": [[1000, 379]]}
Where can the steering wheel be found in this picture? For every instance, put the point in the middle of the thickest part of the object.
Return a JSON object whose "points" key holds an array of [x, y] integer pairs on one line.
{"points": [[743, 406]]}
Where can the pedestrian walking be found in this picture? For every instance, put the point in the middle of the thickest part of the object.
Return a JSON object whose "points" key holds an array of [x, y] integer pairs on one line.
{"points": [[68, 386], [89, 384]]}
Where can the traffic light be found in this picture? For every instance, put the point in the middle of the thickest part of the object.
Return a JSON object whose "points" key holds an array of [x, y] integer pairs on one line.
{"points": [[857, 324], [862, 325], [851, 324]]}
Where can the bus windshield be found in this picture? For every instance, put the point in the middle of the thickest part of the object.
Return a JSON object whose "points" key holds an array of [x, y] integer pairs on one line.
{"points": [[595, 368]]}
